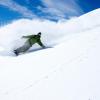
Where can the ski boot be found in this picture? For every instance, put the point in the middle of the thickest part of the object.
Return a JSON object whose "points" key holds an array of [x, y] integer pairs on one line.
{"points": [[16, 53]]}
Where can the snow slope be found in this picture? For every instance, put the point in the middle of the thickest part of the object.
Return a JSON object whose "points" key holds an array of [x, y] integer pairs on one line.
{"points": [[69, 71]]}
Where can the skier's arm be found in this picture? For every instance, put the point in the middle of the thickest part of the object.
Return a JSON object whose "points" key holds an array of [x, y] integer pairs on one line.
{"points": [[28, 36], [41, 44]]}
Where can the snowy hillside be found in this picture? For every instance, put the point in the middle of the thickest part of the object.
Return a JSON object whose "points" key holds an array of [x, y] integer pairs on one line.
{"points": [[68, 71]]}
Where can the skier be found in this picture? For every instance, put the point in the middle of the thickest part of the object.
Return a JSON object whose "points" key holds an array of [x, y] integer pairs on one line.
{"points": [[31, 39]]}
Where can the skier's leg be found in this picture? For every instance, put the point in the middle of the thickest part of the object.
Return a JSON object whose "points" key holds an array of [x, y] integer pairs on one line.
{"points": [[24, 48]]}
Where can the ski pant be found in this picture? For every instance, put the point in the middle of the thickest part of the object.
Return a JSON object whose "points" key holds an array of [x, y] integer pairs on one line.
{"points": [[24, 48]]}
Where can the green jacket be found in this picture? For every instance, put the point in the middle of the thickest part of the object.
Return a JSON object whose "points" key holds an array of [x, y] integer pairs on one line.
{"points": [[32, 39]]}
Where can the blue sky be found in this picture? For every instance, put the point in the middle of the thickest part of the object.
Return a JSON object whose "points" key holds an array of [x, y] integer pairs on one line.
{"points": [[44, 9]]}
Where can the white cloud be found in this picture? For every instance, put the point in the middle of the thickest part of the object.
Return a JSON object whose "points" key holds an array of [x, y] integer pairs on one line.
{"points": [[54, 9], [12, 5], [61, 8]]}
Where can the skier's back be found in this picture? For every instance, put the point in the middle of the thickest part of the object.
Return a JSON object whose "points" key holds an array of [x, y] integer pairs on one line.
{"points": [[31, 39]]}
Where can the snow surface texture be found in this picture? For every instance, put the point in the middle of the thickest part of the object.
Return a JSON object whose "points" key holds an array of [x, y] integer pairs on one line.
{"points": [[69, 71]]}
